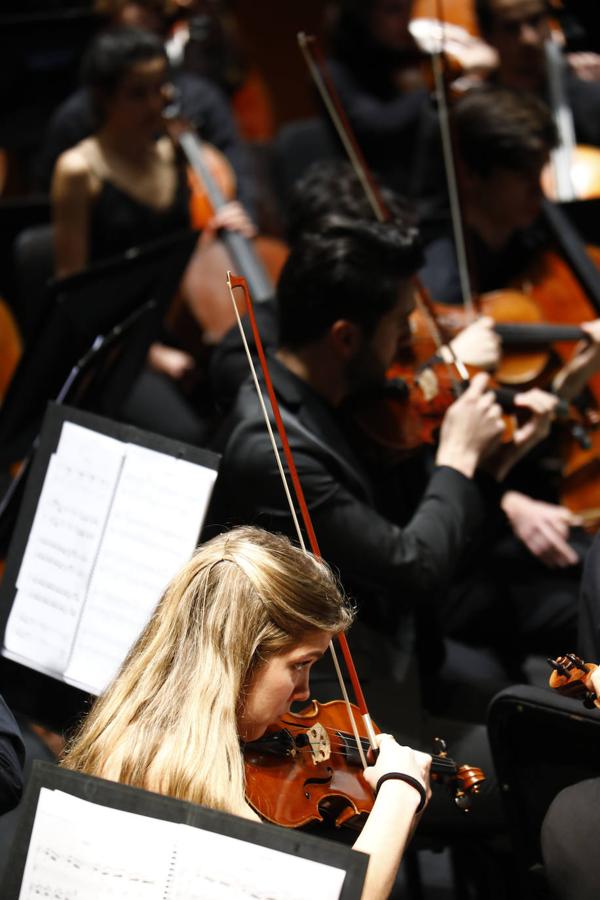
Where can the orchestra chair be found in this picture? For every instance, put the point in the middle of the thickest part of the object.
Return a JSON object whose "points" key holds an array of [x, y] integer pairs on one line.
{"points": [[541, 742], [34, 267]]}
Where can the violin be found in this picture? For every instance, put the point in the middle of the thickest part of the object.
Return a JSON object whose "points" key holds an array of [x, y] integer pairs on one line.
{"points": [[10, 347], [569, 677], [402, 420], [307, 768], [259, 260], [526, 337], [408, 412], [222, 175]]}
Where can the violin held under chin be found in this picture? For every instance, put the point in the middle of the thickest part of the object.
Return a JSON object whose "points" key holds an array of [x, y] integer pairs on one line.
{"points": [[307, 768]]}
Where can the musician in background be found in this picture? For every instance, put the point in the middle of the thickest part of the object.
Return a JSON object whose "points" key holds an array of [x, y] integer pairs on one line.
{"points": [[198, 100], [518, 30], [229, 648], [206, 39], [398, 552], [125, 185], [327, 187], [503, 141], [377, 71]]}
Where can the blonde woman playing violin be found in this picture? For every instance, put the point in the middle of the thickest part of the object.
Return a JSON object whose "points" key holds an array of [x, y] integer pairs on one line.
{"points": [[228, 649]]}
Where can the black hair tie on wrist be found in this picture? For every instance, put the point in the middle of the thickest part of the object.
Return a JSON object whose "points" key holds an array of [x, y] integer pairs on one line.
{"points": [[401, 776]]}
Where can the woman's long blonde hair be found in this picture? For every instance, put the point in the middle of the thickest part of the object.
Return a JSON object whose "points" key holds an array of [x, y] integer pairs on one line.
{"points": [[168, 722]]}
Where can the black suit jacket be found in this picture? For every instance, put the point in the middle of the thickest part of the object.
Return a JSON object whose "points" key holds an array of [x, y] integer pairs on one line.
{"points": [[388, 569]]}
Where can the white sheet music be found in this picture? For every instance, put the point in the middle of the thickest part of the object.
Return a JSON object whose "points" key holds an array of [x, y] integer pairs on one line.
{"points": [[151, 531], [113, 524], [212, 866], [83, 851], [62, 547], [86, 851]]}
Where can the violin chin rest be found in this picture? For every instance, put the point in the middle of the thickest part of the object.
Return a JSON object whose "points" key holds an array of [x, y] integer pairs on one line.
{"points": [[338, 812]]}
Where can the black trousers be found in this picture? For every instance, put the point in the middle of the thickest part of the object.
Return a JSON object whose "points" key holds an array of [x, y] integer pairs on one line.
{"points": [[570, 842], [513, 603]]}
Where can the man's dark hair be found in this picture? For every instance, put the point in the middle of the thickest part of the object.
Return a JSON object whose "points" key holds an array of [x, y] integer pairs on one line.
{"points": [[485, 14], [332, 187], [344, 269], [498, 128], [111, 54]]}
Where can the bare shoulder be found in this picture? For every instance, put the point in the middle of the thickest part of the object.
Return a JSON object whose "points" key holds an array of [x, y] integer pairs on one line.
{"points": [[73, 166]]}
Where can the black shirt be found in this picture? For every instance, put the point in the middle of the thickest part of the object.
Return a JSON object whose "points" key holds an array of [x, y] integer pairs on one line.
{"points": [[12, 757], [201, 103]]}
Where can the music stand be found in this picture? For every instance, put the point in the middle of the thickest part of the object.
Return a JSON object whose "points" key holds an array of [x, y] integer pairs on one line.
{"points": [[47, 698], [260, 838], [84, 387], [77, 310]]}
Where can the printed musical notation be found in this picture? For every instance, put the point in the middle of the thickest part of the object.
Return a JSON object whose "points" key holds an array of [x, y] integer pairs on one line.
{"points": [[113, 523], [82, 851]]}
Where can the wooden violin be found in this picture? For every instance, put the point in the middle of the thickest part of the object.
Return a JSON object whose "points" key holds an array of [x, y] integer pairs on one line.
{"points": [[408, 411], [307, 768], [570, 677], [527, 337], [259, 260]]}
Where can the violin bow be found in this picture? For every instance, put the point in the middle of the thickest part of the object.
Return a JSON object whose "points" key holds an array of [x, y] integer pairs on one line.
{"points": [[456, 214], [315, 62], [236, 282], [468, 777]]}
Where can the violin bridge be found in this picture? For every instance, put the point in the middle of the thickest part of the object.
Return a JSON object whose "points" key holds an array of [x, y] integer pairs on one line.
{"points": [[318, 740], [428, 382]]}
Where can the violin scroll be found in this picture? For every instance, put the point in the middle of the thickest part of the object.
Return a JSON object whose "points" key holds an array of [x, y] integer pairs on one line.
{"points": [[464, 780], [570, 677]]}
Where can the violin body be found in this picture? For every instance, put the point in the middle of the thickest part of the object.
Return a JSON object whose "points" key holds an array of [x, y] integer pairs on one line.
{"points": [[10, 347], [519, 323], [200, 206], [307, 768], [204, 284], [204, 289]]}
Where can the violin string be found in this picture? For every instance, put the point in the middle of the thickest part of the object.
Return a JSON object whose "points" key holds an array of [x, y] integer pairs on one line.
{"points": [[290, 502]]}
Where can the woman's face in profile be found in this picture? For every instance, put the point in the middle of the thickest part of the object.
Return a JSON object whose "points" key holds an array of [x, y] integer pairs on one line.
{"points": [[137, 104], [280, 681]]}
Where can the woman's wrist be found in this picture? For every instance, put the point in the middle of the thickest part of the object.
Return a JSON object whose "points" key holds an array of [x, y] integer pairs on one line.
{"points": [[401, 778]]}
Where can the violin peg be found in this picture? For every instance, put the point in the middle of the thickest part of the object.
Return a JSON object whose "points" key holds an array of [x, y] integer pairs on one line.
{"points": [[462, 802], [439, 746], [576, 661], [558, 667]]}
